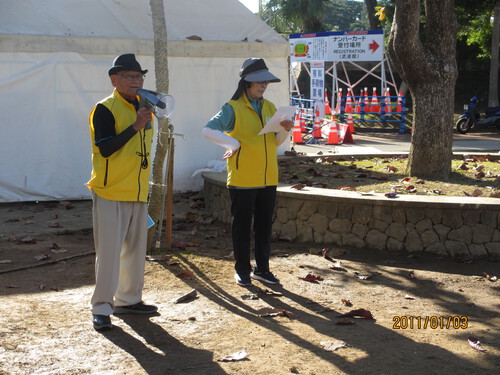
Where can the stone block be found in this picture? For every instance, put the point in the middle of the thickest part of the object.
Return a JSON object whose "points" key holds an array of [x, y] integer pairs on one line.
{"points": [[462, 234], [442, 231], [429, 237], [414, 215], [308, 208], [413, 242], [452, 219], [397, 231], [493, 249], [340, 225], [362, 215], [349, 239], [319, 223], [378, 224], [359, 230], [376, 239], [423, 225], [382, 213], [482, 233], [478, 250], [394, 245], [434, 214], [455, 248]]}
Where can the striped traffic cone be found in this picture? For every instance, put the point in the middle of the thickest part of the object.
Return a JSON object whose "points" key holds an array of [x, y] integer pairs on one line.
{"points": [[333, 135], [366, 99], [399, 107], [328, 110], [387, 100], [350, 123], [348, 106], [297, 132], [339, 100], [375, 107], [317, 125]]}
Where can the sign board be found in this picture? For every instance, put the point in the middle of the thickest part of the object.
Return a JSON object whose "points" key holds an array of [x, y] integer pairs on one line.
{"points": [[338, 46], [318, 86]]}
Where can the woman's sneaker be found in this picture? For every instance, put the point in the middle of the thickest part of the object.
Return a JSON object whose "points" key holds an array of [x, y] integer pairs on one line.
{"points": [[266, 277], [243, 280]]}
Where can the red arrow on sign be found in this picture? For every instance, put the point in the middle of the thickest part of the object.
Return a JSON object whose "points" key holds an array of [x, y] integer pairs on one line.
{"points": [[373, 46]]}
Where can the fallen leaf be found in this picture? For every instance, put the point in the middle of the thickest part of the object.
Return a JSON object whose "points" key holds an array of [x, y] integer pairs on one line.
{"points": [[346, 302], [157, 258], [27, 239], [365, 276], [489, 277], [250, 296], [324, 252], [187, 275], [269, 292], [186, 297], [332, 345], [238, 356], [5, 261], [477, 193], [495, 194], [337, 266], [42, 257], [298, 186], [271, 312], [475, 343], [53, 224], [407, 296], [194, 37], [311, 277], [58, 251], [411, 275], [362, 313]]}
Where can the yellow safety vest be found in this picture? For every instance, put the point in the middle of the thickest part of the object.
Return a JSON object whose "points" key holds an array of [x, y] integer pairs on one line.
{"points": [[121, 177], [255, 163]]}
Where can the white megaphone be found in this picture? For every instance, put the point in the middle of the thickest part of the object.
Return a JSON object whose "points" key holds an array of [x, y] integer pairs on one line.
{"points": [[161, 104]]}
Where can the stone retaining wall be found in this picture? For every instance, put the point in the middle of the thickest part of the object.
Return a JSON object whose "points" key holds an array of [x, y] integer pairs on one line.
{"points": [[442, 225]]}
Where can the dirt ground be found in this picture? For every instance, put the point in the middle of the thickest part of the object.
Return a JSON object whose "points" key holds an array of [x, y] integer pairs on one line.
{"points": [[424, 308]]}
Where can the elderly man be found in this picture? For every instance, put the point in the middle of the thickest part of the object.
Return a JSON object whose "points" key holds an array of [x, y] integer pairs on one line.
{"points": [[121, 135]]}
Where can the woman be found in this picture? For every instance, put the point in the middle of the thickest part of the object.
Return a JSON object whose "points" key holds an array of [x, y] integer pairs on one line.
{"points": [[252, 167]]}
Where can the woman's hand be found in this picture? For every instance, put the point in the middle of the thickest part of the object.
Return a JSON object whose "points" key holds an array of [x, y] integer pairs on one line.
{"points": [[228, 153], [286, 124]]}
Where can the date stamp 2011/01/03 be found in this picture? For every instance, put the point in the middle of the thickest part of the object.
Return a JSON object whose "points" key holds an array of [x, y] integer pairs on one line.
{"points": [[430, 321]]}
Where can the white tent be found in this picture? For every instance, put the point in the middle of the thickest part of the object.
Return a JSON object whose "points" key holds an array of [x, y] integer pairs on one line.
{"points": [[54, 58]]}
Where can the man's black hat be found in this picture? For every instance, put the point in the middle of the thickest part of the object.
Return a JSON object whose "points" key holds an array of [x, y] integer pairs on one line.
{"points": [[126, 62]]}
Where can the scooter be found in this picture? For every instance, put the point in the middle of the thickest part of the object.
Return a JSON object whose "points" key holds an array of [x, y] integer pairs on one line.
{"points": [[472, 118]]}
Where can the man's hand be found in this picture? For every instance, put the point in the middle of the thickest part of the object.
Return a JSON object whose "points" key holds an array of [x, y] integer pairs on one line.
{"points": [[143, 116]]}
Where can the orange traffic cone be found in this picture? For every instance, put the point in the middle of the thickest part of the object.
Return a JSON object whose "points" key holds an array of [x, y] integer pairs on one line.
{"points": [[357, 109], [339, 100], [399, 107], [350, 123], [328, 110], [333, 135], [348, 106], [297, 132], [366, 99], [375, 107], [317, 125], [303, 127], [387, 101]]}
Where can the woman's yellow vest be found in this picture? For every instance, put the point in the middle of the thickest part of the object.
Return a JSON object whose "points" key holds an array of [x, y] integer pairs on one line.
{"points": [[255, 163], [123, 176]]}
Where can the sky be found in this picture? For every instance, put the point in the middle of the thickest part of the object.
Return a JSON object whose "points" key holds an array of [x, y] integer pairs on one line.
{"points": [[253, 5]]}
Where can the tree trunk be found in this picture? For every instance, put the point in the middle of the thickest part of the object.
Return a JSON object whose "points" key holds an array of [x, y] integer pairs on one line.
{"points": [[370, 9], [495, 40], [157, 195], [429, 68]]}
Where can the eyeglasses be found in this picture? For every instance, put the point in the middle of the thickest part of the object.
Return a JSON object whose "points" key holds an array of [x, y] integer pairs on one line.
{"points": [[133, 77]]}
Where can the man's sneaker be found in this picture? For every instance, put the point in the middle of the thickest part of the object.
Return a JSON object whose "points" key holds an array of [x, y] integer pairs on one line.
{"points": [[138, 308], [243, 280], [266, 277], [101, 322]]}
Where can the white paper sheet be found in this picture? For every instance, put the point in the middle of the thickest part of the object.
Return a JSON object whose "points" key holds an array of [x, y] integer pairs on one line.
{"points": [[282, 113]]}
